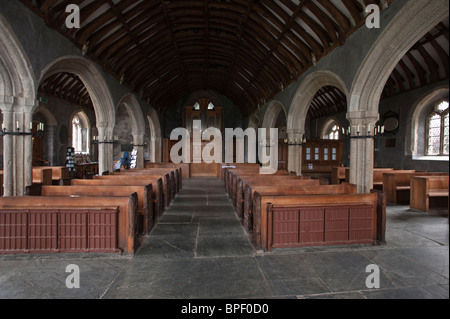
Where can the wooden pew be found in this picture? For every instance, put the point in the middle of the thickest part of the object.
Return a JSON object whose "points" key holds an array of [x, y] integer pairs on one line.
{"points": [[237, 186], [397, 184], [313, 220], [377, 176], [253, 181], [184, 167], [144, 195], [235, 175], [426, 188], [246, 212], [73, 226], [60, 174], [167, 185], [233, 166], [338, 175], [42, 176], [174, 177], [157, 187]]}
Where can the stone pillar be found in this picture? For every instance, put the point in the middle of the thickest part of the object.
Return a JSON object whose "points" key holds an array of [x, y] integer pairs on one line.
{"points": [[105, 149], [8, 142], [17, 149], [362, 150], [50, 131], [295, 138], [138, 141], [28, 150]]}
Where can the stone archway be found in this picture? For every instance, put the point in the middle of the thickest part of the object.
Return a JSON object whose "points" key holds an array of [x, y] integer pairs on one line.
{"points": [[299, 110], [406, 28], [100, 95], [137, 125], [272, 113], [155, 136], [17, 103]]}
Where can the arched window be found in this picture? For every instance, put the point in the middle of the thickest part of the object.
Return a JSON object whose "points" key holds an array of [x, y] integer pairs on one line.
{"points": [[437, 130], [331, 130], [77, 135], [333, 134], [80, 133]]}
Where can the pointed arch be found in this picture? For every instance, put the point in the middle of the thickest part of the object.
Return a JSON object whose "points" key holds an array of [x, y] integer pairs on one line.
{"points": [[131, 103], [304, 96], [412, 22], [16, 74], [272, 113], [94, 81], [101, 97]]}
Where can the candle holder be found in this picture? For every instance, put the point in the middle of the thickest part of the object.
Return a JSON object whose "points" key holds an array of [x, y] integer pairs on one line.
{"points": [[18, 132], [5, 132], [97, 141]]}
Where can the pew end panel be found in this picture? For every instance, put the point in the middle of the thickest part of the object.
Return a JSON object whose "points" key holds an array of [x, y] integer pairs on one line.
{"points": [[59, 230], [357, 211]]}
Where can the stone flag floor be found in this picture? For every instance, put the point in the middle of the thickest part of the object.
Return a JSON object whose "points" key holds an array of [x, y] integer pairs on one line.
{"points": [[199, 250]]}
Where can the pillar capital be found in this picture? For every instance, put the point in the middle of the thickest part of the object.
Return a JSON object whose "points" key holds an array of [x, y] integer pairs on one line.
{"points": [[25, 105], [363, 117], [6, 103]]}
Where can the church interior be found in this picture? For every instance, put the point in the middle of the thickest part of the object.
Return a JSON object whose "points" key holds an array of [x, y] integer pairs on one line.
{"points": [[224, 149]]}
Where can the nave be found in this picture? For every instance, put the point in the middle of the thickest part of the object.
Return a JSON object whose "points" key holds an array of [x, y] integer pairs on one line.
{"points": [[200, 250]]}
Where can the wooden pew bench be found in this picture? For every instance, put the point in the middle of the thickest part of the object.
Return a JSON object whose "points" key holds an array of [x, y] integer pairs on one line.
{"points": [[239, 183], [246, 212], [157, 188], [183, 167], [42, 176], [58, 229], [425, 189], [235, 178], [397, 184], [313, 220], [338, 175], [377, 176], [97, 227], [167, 185], [238, 166], [60, 174], [148, 219], [175, 176], [292, 181], [234, 175]]}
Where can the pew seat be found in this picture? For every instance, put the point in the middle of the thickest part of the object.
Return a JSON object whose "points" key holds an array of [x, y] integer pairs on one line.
{"points": [[429, 190]]}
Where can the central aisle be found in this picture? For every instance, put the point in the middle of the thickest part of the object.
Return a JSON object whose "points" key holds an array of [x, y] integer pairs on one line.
{"points": [[198, 250], [200, 223]]}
